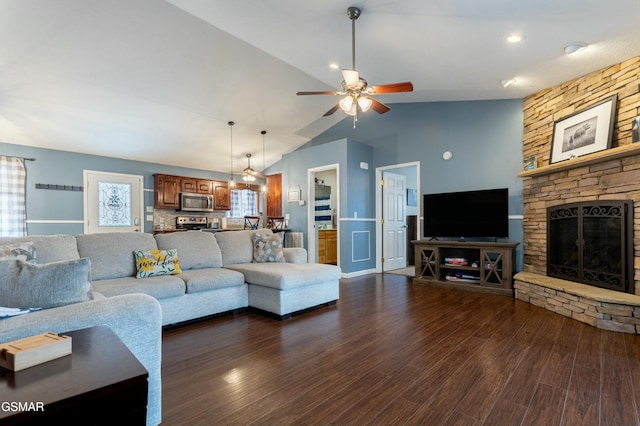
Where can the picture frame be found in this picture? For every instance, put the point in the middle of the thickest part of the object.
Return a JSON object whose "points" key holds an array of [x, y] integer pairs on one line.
{"points": [[584, 132], [412, 197], [293, 195]]}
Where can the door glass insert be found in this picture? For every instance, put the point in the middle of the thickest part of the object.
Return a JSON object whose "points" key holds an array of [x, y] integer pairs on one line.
{"points": [[114, 204]]}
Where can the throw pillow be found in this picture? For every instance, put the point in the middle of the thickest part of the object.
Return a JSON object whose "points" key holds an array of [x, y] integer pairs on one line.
{"points": [[268, 248], [48, 285], [23, 251], [152, 263]]}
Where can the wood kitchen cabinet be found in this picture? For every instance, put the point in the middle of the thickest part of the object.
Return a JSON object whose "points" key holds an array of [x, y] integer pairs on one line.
{"points": [[327, 246], [274, 195], [221, 198], [197, 186], [166, 192]]}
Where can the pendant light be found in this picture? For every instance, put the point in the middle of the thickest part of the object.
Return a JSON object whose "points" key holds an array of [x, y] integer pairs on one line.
{"points": [[248, 174], [264, 186], [232, 182]]}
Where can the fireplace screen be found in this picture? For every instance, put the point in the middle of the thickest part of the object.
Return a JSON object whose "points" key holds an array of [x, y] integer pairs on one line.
{"points": [[591, 243]]}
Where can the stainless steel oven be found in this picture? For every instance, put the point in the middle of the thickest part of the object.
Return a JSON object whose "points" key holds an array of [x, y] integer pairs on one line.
{"points": [[196, 202]]}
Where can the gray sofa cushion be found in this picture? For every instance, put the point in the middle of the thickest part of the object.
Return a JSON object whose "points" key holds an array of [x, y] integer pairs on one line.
{"points": [[285, 276], [49, 248], [196, 249], [112, 254], [237, 246], [198, 280], [30, 285], [160, 287]]}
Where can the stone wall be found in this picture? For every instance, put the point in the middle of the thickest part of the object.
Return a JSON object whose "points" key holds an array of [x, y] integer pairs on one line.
{"points": [[609, 179]]}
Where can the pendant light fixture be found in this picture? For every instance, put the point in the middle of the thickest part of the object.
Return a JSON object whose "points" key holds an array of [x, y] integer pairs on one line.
{"points": [[248, 174], [232, 182], [264, 186]]}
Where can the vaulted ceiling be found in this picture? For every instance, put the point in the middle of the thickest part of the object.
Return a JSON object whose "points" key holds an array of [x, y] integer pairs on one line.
{"points": [[158, 81]]}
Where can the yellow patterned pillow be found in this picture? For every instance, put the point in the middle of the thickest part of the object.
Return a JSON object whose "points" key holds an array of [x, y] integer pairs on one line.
{"points": [[156, 262]]}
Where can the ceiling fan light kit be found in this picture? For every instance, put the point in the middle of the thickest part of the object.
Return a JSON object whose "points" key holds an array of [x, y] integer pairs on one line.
{"points": [[357, 93]]}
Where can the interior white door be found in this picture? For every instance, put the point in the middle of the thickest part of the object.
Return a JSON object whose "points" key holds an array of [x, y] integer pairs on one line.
{"points": [[113, 202], [394, 225]]}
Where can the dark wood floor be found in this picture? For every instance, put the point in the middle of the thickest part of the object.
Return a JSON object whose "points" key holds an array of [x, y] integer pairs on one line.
{"points": [[392, 352]]}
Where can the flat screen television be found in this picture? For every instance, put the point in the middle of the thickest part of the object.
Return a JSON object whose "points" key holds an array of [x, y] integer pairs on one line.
{"points": [[467, 214]]}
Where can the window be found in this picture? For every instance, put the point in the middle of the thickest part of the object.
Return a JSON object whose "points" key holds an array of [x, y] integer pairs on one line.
{"points": [[13, 211], [244, 202]]}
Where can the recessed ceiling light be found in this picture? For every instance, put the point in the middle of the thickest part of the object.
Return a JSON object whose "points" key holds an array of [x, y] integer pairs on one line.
{"points": [[508, 82], [334, 66], [575, 47], [514, 38]]}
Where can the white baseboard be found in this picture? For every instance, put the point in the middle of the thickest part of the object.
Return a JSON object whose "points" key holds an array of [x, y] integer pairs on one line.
{"points": [[358, 273]]}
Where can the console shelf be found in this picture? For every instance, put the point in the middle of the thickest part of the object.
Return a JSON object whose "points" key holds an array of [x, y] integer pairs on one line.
{"points": [[478, 266]]}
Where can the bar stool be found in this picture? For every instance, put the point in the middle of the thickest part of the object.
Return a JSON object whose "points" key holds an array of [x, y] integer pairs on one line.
{"points": [[251, 222], [276, 223]]}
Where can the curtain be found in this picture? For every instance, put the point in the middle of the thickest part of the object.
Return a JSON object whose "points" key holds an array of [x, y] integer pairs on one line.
{"points": [[244, 202], [13, 212]]}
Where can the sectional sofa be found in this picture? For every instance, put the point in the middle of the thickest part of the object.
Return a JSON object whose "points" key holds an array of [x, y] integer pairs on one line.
{"points": [[207, 274]]}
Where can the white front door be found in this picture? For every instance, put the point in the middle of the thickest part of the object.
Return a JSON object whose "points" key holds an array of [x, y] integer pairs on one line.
{"points": [[394, 226], [113, 202]]}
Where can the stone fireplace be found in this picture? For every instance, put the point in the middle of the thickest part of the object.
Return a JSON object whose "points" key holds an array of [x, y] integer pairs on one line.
{"points": [[605, 176]]}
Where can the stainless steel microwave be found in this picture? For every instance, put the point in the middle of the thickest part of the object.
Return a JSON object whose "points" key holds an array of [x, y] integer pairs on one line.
{"points": [[196, 202]]}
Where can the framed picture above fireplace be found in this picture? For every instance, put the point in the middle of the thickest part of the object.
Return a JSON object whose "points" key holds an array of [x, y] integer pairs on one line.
{"points": [[584, 132]]}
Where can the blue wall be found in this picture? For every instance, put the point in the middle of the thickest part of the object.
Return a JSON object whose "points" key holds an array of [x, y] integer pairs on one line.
{"points": [[485, 138], [66, 168]]}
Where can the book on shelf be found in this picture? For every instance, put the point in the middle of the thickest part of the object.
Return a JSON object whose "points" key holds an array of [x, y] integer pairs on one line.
{"points": [[456, 261]]}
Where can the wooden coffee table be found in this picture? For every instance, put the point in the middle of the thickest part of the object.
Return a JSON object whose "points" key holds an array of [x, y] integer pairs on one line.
{"points": [[100, 383]]}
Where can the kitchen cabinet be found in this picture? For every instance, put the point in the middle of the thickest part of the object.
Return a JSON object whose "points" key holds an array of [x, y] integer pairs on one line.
{"points": [[274, 195], [327, 246], [221, 198], [197, 186], [166, 192]]}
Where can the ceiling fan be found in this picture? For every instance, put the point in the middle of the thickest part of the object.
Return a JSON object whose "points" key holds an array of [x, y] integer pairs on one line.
{"points": [[358, 95]]}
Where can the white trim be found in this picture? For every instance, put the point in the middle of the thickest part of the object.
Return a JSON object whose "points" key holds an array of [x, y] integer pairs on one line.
{"points": [[358, 219], [311, 214], [358, 273], [53, 221], [516, 217], [353, 245]]}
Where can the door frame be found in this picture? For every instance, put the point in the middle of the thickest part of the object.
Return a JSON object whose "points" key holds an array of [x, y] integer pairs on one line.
{"points": [[380, 210], [311, 210]]}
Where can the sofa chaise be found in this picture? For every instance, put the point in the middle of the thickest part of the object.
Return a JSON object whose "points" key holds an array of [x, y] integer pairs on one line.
{"points": [[218, 273]]}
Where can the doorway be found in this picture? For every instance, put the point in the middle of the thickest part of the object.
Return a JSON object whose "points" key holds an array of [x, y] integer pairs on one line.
{"points": [[397, 205], [323, 231]]}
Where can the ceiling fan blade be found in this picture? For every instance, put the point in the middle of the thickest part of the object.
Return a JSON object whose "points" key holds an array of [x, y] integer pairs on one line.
{"points": [[318, 93], [332, 110], [391, 88], [378, 106]]}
